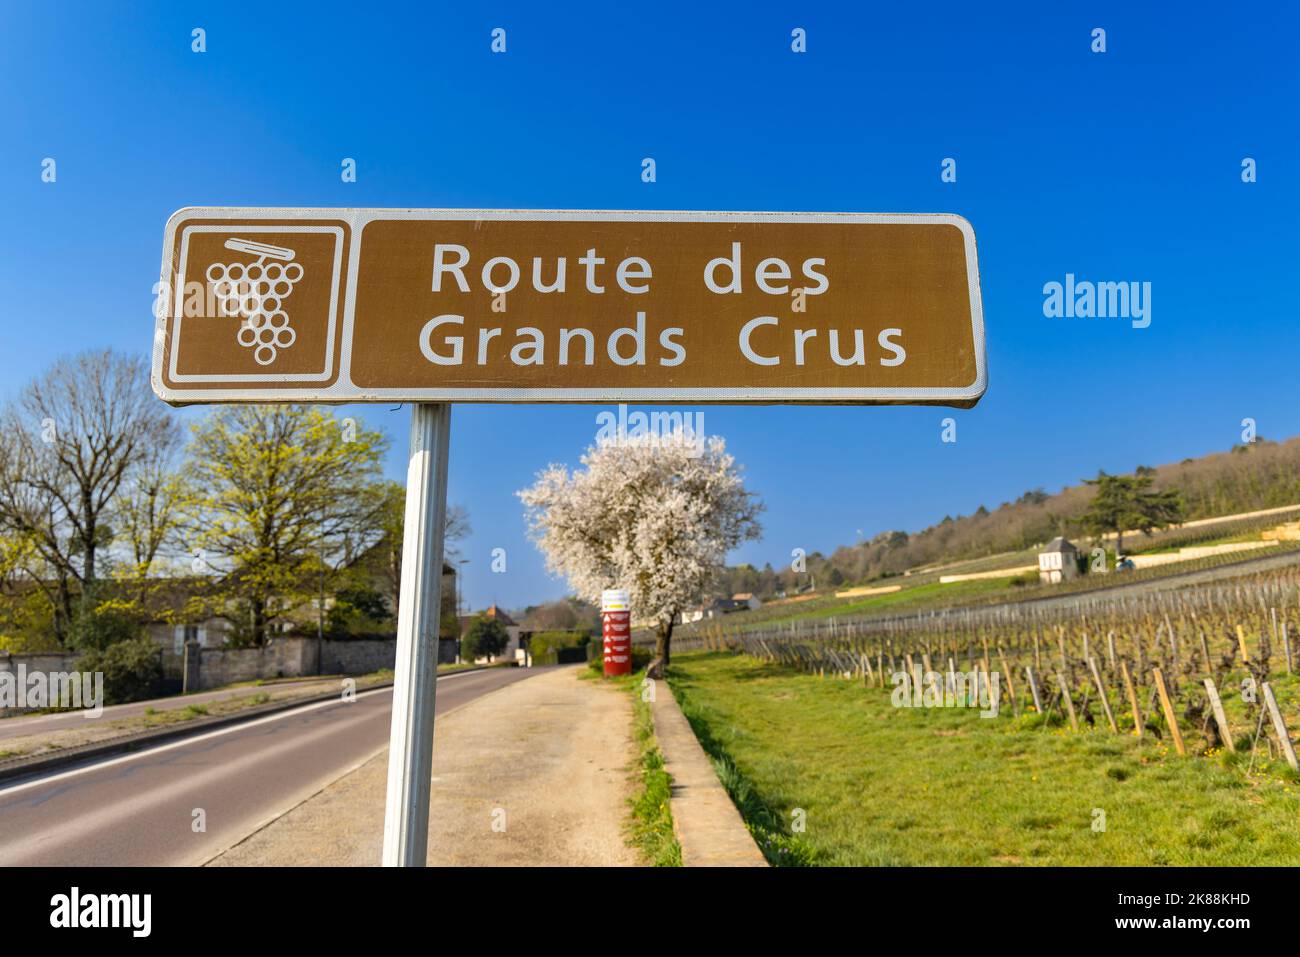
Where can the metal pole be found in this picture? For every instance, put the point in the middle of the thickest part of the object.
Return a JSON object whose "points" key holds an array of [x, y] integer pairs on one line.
{"points": [[410, 748]]}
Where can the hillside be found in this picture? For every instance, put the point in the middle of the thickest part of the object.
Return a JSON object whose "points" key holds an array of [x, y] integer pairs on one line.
{"points": [[1246, 478]]}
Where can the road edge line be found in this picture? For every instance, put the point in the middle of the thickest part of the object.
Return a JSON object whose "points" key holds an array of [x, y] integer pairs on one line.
{"points": [[26, 765]]}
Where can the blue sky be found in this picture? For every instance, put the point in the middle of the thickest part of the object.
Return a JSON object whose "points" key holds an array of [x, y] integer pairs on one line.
{"points": [[1117, 166]]}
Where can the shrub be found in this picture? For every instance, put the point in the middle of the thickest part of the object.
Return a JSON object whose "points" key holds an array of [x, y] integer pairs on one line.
{"points": [[132, 669], [108, 623], [356, 610], [545, 646]]}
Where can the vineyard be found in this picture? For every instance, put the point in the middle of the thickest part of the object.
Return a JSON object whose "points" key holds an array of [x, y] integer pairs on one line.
{"points": [[1200, 670], [923, 590]]}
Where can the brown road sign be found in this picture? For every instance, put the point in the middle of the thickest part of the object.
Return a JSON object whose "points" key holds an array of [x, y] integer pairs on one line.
{"points": [[356, 305]]}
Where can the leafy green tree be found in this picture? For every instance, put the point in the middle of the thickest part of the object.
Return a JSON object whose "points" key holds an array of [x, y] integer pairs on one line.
{"points": [[1125, 502], [486, 638], [276, 493]]}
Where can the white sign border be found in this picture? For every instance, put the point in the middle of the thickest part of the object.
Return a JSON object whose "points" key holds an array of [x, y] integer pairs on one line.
{"points": [[344, 391], [332, 324]]}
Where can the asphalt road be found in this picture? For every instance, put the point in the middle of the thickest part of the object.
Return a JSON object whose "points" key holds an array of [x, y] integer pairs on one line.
{"points": [[139, 809]]}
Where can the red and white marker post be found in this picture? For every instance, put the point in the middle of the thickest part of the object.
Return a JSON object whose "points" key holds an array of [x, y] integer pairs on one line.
{"points": [[616, 626]]}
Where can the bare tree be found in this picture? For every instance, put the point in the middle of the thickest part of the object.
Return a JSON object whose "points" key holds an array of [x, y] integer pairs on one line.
{"points": [[71, 440], [148, 514], [393, 506]]}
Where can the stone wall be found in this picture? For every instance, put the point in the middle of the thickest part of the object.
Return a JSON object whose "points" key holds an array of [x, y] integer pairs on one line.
{"points": [[282, 658], [293, 658], [44, 663], [357, 657]]}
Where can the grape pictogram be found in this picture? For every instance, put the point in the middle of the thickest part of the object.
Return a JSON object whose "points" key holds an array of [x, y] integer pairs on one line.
{"points": [[256, 292]]}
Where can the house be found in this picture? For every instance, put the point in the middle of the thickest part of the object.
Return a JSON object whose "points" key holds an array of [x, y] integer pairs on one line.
{"points": [[178, 615], [719, 607], [1058, 562], [514, 646], [209, 632]]}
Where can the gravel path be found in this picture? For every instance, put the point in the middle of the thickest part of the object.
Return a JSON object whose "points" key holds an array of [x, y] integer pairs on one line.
{"points": [[536, 773]]}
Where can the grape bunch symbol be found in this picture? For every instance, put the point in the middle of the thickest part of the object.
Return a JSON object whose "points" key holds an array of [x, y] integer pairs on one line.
{"points": [[256, 292]]}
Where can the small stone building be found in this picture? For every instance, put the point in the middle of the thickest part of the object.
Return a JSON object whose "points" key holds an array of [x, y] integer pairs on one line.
{"points": [[514, 647], [1058, 562]]}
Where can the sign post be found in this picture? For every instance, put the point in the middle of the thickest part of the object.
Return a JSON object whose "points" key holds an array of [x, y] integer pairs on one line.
{"points": [[438, 306], [410, 748]]}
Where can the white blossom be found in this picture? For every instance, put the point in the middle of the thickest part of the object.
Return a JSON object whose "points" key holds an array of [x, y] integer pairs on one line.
{"points": [[653, 516]]}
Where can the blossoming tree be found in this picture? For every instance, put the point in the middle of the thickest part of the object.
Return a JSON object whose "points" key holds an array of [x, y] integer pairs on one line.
{"points": [[651, 514]]}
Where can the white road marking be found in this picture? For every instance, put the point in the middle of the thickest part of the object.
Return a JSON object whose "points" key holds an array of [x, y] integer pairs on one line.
{"points": [[184, 742]]}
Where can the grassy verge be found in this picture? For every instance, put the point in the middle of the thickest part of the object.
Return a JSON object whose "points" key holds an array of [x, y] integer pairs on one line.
{"points": [[872, 784], [649, 826]]}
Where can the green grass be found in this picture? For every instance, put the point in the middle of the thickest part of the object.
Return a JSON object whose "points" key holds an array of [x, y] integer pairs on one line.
{"points": [[880, 785], [651, 824]]}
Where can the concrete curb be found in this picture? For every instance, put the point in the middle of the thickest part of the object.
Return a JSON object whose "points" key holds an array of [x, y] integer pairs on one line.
{"points": [[709, 829]]}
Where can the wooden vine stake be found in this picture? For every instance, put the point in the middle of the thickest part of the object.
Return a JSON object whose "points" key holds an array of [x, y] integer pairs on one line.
{"points": [[1279, 726], [1033, 688], [1101, 691], [1132, 698], [1221, 719], [1241, 642], [1168, 707], [1011, 685], [1069, 702]]}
